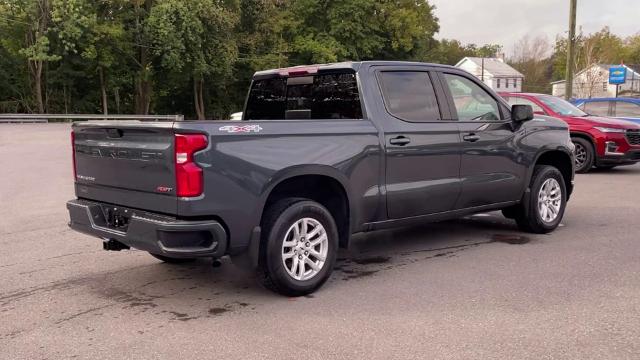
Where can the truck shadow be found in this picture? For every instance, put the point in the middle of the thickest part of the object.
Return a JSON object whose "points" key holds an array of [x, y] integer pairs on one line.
{"points": [[198, 290], [143, 286], [383, 250]]}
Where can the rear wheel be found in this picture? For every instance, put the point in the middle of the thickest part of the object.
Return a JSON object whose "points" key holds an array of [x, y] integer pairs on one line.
{"points": [[299, 245], [584, 154], [543, 210], [171, 260]]}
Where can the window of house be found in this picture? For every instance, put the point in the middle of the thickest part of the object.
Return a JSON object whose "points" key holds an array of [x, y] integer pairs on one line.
{"points": [[604, 86], [326, 96], [506, 85], [498, 84], [409, 95], [471, 101]]}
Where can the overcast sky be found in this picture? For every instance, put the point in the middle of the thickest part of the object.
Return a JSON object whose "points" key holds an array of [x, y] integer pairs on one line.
{"points": [[505, 21]]}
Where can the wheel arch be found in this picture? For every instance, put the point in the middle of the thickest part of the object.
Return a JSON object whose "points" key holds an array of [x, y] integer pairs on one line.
{"points": [[561, 160], [585, 136], [322, 184]]}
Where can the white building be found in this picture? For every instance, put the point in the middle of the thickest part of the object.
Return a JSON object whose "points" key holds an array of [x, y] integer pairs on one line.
{"points": [[494, 72], [593, 82]]}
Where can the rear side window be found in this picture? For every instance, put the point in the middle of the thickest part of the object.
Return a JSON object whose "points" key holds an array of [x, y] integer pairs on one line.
{"points": [[627, 109], [326, 96], [600, 108], [409, 95]]}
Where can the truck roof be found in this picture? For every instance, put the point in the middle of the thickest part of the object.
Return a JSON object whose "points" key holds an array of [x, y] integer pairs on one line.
{"points": [[352, 65]]}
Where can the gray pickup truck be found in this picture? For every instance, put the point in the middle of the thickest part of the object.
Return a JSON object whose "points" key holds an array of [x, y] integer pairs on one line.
{"points": [[322, 152]]}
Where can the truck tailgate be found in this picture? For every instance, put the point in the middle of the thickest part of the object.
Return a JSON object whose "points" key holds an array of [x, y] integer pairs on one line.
{"points": [[128, 163]]}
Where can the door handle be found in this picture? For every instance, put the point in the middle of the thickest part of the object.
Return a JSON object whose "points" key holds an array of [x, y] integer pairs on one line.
{"points": [[471, 137], [399, 140]]}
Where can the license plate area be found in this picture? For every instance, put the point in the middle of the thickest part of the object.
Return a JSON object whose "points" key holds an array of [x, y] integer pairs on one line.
{"points": [[116, 218]]}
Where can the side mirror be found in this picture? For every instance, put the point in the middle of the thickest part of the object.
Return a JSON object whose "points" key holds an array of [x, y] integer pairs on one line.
{"points": [[521, 113]]}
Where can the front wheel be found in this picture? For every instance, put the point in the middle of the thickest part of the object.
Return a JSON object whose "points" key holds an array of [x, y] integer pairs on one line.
{"points": [[299, 246], [584, 154], [542, 211]]}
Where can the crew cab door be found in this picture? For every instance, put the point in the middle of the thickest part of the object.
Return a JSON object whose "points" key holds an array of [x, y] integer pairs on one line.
{"points": [[492, 170], [421, 145]]}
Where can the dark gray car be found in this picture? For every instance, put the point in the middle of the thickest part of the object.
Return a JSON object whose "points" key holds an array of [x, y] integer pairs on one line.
{"points": [[323, 152]]}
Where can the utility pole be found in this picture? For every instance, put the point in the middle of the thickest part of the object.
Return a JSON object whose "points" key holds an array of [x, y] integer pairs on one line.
{"points": [[571, 51]]}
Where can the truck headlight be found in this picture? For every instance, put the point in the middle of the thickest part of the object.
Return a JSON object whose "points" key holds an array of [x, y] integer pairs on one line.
{"points": [[610, 130]]}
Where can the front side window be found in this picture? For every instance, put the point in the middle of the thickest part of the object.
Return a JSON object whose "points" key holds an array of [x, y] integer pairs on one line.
{"points": [[515, 100], [561, 106], [627, 109], [471, 101], [600, 108], [323, 96], [409, 95]]}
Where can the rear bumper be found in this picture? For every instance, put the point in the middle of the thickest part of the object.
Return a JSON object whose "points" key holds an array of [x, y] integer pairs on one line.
{"points": [[151, 232]]}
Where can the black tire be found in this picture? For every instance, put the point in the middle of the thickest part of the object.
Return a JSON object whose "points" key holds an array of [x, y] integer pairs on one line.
{"points": [[528, 216], [277, 220], [171, 260], [585, 155]]}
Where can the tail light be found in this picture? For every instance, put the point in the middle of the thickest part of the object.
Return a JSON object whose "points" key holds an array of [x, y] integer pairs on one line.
{"points": [[299, 71], [189, 182], [73, 154]]}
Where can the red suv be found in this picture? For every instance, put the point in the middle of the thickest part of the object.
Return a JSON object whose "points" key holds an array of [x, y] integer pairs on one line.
{"points": [[600, 141]]}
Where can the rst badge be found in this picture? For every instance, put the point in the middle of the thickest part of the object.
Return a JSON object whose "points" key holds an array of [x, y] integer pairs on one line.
{"points": [[241, 128]]}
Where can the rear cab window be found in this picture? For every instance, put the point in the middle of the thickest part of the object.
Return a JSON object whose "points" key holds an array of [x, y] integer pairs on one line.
{"points": [[319, 96]]}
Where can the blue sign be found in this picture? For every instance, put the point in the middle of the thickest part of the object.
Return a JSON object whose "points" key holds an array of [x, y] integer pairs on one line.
{"points": [[617, 75]]}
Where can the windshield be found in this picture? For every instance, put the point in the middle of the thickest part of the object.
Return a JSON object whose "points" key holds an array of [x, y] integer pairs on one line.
{"points": [[561, 106]]}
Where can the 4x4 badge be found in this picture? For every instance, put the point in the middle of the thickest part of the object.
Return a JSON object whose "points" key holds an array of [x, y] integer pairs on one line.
{"points": [[240, 128]]}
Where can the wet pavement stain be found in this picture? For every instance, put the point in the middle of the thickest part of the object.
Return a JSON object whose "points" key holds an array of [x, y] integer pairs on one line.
{"points": [[372, 260], [355, 274], [182, 316], [218, 311], [510, 239]]}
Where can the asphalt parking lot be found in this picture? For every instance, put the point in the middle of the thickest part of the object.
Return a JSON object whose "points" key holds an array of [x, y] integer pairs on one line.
{"points": [[467, 289]]}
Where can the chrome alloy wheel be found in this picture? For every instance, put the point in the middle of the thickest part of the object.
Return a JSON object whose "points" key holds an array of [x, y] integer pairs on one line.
{"points": [[581, 155], [549, 200], [304, 249]]}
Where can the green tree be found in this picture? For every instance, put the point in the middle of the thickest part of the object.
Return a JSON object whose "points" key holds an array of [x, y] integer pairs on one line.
{"points": [[27, 26], [195, 38]]}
